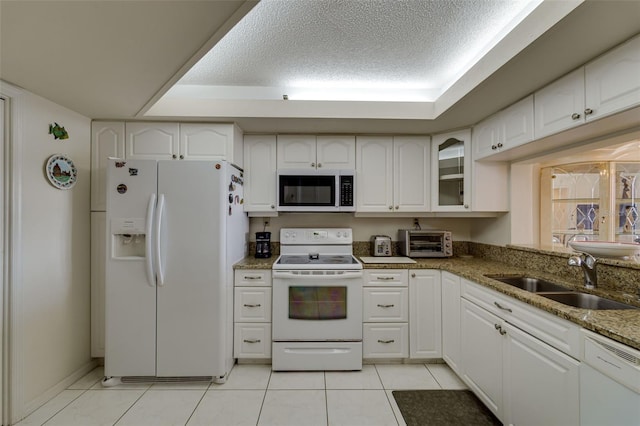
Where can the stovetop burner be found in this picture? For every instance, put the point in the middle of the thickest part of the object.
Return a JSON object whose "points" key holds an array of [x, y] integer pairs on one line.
{"points": [[317, 259]]}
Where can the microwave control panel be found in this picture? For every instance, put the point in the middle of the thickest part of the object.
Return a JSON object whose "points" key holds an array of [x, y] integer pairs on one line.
{"points": [[346, 191]]}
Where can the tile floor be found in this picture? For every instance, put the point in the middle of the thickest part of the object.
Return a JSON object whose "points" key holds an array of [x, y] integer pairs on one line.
{"points": [[253, 395]]}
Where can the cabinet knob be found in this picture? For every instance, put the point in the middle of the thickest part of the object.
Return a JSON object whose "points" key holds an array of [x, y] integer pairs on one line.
{"points": [[272, 206], [397, 207], [181, 157], [174, 156], [413, 275], [390, 207], [499, 144], [575, 116], [588, 111], [313, 164], [494, 147], [319, 165], [466, 206]]}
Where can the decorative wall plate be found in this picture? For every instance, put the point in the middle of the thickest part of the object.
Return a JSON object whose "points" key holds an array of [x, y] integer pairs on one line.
{"points": [[61, 172]]}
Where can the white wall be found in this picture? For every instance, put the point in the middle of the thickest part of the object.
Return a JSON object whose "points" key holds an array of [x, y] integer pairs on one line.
{"points": [[363, 228], [53, 292]]}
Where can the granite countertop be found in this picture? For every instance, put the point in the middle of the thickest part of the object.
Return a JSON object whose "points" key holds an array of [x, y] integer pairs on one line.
{"points": [[620, 325]]}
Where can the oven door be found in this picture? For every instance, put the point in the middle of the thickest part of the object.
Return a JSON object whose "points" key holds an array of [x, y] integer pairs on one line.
{"points": [[317, 305]]}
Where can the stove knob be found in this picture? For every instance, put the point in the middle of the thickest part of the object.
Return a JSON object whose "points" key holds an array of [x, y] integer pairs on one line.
{"points": [[286, 235], [338, 234]]}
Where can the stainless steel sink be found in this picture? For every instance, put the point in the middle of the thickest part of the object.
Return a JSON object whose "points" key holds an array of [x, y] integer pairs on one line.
{"points": [[586, 301], [534, 285]]}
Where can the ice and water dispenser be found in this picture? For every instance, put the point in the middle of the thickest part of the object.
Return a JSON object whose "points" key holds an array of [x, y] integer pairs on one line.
{"points": [[128, 238]]}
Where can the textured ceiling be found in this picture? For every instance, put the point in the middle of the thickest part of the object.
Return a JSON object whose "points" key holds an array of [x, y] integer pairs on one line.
{"points": [[414, 44]]}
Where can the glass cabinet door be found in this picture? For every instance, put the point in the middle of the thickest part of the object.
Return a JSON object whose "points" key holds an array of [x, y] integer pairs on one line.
{"points": [[451, 168], [626, 198]]}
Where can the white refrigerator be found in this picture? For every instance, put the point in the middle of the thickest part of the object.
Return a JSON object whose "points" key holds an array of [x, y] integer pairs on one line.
{"points": [[174, 230]]}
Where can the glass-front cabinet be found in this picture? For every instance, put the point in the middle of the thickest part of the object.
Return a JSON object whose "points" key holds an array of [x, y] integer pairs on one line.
{"points": [[451, 168], [590, 201]]}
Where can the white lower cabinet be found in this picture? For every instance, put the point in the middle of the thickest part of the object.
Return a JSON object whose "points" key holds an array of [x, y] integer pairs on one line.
{"points": [[520, 378], [252, 313], [385, 310], [425, 314], [451, 352]]}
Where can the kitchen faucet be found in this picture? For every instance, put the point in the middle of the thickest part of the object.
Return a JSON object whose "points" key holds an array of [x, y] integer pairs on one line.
{"points": [[588, 265]]}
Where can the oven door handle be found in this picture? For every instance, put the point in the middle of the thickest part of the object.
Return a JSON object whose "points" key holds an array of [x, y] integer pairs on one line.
{"points": [[346, 275]]}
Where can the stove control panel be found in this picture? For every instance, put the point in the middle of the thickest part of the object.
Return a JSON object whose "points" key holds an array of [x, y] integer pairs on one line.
{"points": [[316, 236]]}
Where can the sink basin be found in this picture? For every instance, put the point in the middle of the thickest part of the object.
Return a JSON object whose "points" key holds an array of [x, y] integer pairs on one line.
{"points": [[534, 285], [587, 301]]}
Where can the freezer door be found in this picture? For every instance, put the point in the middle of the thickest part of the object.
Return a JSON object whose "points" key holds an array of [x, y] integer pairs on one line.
{"points": [[130, 294], [191, 302]]}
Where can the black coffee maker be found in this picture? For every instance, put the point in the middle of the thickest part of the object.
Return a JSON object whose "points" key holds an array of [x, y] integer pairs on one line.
{"points": [[263, 244]]}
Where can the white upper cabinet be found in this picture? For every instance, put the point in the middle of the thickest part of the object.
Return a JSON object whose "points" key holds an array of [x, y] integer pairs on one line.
{"points": [[211, 141], [186, 141], [392, 174], [311, 152], [107, 140], [152, 141], [507, 129], [560, 105], [336, 152], [451, 171], [260, 174], [613, 80]]}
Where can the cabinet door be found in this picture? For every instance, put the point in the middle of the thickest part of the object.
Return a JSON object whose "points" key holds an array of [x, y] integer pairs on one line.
{"points": [[385, 340], [451, 171], [516, 124], [336, 152], [260, 174], [152, 141], [482, 355], [107, 140], [252, 340], [98, 258], [560, 105], [485, 137], [207, 141], [613, 80], [374, 174], [537, 372], [451, 321], [252, 304], [425, 309], [411, 180], [296, 152]]}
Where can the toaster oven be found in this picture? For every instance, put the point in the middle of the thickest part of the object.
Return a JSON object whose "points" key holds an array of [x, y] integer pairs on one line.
{"points": [[424, 243]]}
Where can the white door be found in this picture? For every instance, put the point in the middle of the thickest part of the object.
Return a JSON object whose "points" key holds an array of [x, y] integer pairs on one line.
{"points": [[107, 140], [425, 321], [374, 174], [516, 123], [190, 297], [560, 105], [206, 141], [451, 321], [130, 291], [451, 172], [152, 141], [2, 256], [411, 180], [260, 176], [296, 152], [336, 152]]}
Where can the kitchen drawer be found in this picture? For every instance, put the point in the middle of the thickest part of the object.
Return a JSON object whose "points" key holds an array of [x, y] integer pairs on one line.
{"points": [[386, 277], [252, 340], [385, 304], [385, 340], [252, 304], [252, 277], [557, 332]]}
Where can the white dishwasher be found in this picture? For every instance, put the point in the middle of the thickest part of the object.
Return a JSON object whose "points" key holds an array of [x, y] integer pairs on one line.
{"points": [[609, 382]]}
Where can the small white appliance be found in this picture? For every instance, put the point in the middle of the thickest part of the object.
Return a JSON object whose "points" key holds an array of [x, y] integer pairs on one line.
{"points": [[380, 245], [321, 190], [317, 301], [174, 230]]}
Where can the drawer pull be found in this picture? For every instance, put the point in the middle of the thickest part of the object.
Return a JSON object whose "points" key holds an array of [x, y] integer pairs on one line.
{"points": [[384, 278], [385, 306], [251, 340], [252, 305], [502, 307], [386, 341], [251, 278]]}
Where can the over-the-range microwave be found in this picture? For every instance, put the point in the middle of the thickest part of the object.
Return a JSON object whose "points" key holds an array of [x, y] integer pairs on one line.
{"points": [[301, 190]]}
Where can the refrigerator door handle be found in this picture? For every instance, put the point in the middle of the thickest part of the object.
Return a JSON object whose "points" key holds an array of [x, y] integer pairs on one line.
{"points": [[157, 242], [151, 276]]}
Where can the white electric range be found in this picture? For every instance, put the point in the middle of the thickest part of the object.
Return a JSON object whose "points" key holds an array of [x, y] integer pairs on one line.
{"points": [[317, 301]]}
